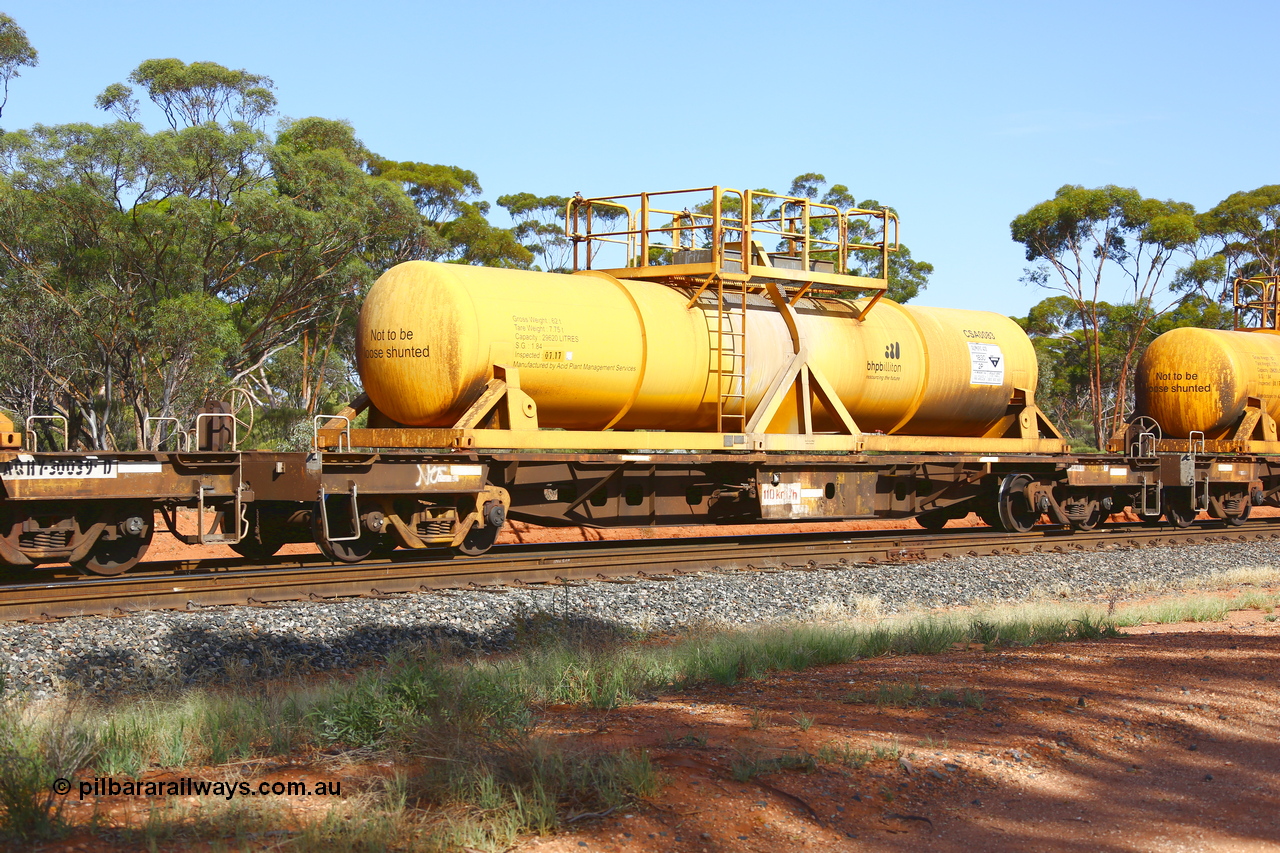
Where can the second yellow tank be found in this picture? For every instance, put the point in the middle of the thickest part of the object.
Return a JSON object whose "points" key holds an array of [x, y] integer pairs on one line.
{"points": [[1200, 379]]}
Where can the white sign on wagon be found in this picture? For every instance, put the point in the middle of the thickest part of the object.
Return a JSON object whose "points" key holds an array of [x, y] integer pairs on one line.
{"points": [[986, 364], [783, 494], [77, 468]]}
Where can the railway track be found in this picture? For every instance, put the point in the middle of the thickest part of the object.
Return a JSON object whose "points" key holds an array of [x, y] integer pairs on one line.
{"points": [[206, 583]]}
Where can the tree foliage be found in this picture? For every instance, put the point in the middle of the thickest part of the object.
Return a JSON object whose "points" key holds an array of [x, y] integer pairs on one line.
{"points": [[539, 226], [1084, 239], [260, 242], [16, 53], [453, 223], [197, 257], [1240, 238], [195, 94], [907, 276]]}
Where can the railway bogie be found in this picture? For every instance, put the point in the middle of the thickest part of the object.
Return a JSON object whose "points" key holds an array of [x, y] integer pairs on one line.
{"points": [[97, 511]]}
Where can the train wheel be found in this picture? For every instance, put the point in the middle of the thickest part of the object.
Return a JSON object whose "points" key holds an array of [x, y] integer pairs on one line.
{"points": [[480, 539], [353, 550], [935, 519], [372, 538], [111, 557], [1016, 512], [266, 536], [1178, 510]]}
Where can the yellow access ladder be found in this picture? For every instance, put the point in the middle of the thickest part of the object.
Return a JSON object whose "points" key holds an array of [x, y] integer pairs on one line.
{"points": [[728, 361]]}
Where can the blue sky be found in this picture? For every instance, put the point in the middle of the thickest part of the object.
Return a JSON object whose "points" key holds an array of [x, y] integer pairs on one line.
{"points": [[961, 116]]}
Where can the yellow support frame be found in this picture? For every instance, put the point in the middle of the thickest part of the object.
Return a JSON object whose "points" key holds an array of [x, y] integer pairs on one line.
{"points": [[632, 442]]}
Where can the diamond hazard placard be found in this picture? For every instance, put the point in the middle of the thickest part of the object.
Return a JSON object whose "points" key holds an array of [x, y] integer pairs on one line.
{"points": [[986, 364]]}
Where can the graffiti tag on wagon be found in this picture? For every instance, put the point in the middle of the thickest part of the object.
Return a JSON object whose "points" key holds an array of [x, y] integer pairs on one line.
{"points": [[436, 475]]}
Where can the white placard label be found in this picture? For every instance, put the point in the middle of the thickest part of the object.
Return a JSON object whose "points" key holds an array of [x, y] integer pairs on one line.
{"points": [[432, 475], [986, 364], [83, 468], [782, 494], [141, 468]]}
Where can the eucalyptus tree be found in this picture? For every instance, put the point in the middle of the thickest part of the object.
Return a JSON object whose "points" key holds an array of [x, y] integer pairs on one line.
{"points": [[539, 227], [16, 52], [453, 223], [1240, 238], [1055, 328], [1078, 238], [184, 260]]}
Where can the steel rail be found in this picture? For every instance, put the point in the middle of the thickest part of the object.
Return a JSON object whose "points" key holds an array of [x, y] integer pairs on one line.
{"points": [[190, 584]]}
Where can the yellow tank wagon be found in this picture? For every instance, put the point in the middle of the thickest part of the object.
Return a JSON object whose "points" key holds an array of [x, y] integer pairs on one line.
{"points": [[703, 365]]}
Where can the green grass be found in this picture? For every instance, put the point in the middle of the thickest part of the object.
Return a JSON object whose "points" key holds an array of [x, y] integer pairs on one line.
{"points": [[843, 755], [1205, 608], [470, 722], [33, 753], [747, 767], [912, 695]]}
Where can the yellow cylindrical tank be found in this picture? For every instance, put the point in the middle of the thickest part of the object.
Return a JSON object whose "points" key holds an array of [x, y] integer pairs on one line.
{"points": [[597, 352], [1200, 379]]}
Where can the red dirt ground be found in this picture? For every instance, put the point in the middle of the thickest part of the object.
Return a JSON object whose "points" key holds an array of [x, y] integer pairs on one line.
{"points": [[1166, 739]]}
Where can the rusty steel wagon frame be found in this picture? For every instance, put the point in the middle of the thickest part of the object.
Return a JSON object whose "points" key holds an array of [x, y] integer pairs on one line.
{"points": [[96, 509]]}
